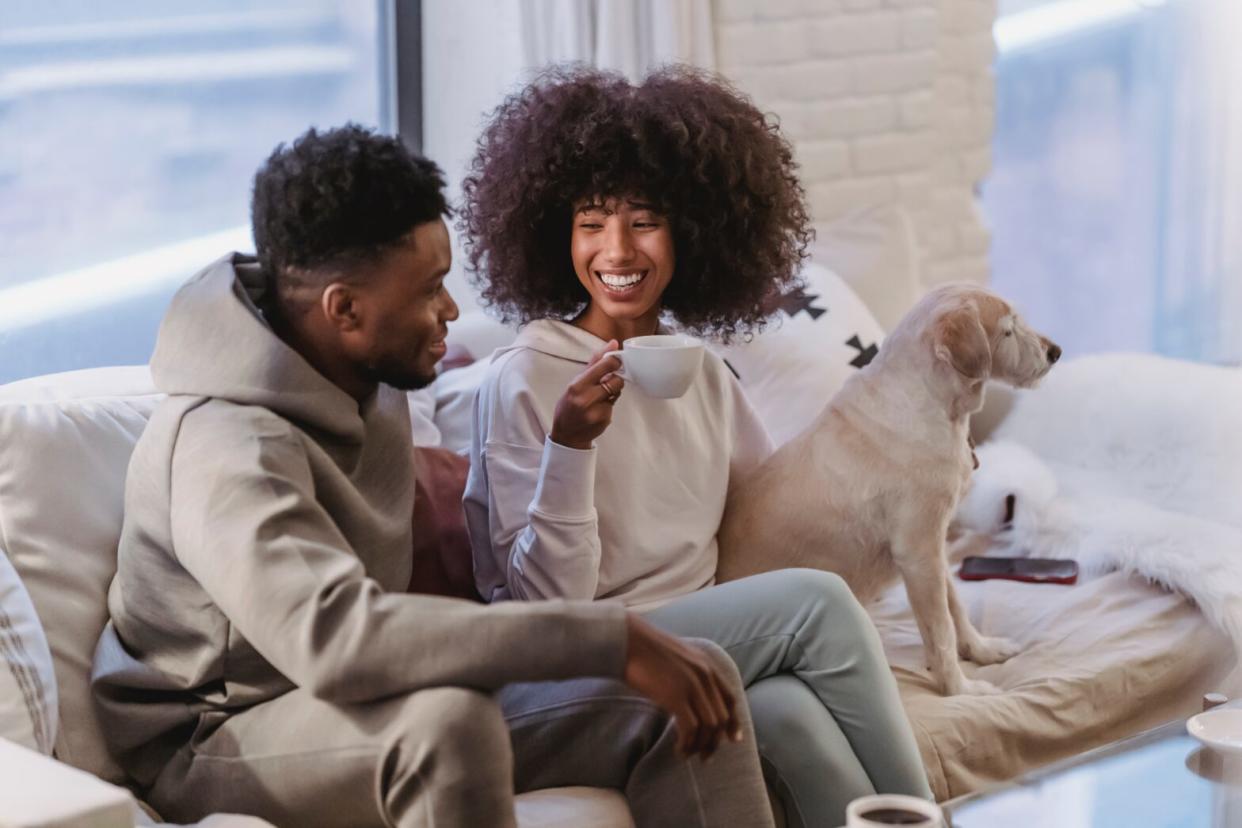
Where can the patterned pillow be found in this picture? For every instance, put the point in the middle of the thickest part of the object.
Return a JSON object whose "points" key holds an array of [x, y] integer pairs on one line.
{"points": [[821, 335], [27, 683]]}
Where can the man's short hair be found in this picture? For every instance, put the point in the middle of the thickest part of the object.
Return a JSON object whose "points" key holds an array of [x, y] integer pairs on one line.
{"points": [[335, 199]]}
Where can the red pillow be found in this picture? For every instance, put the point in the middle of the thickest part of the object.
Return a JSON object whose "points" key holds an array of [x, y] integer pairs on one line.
{"points": [[443, 564]]}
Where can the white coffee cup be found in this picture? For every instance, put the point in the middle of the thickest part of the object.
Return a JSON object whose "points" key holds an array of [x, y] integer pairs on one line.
{"points": [[663, 365], [880, 810]]}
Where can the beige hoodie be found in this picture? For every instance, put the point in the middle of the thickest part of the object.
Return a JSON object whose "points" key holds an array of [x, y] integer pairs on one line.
{"points": [[267, 539], [633, 519]]}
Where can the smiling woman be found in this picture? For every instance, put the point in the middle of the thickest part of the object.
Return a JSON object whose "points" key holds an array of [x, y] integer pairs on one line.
{"points": [[685, 152], [622, 250], [598, 210]]}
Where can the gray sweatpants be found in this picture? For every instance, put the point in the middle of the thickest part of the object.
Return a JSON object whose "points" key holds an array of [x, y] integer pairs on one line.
{"points": [[827, 714], [450, 757]]}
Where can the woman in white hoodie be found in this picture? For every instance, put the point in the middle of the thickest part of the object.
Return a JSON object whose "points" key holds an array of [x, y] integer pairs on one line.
{"points": [[596, 211]]}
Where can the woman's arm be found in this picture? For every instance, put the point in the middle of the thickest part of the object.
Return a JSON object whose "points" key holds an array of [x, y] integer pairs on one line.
{"points": [[751, 442], [530, 497]]}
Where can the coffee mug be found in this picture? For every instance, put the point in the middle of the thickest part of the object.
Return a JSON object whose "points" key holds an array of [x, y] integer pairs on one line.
{"points": [[886, 810], [662, 365]]}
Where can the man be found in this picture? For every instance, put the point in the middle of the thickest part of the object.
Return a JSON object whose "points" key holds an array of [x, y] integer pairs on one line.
{"points": [[260, 657]]}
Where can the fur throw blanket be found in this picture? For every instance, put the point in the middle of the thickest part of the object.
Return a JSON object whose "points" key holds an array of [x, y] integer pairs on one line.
{"points": [[1127, 462]]}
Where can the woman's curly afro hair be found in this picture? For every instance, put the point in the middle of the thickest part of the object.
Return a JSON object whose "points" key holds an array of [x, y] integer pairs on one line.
{"points": [[683, 140]]}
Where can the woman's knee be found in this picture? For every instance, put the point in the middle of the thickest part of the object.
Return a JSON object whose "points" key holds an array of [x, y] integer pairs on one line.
{"points": [[832, 609], [817, 586]]}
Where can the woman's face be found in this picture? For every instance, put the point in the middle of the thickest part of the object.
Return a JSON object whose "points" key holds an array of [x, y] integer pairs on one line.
{"points": [[622, 251]]}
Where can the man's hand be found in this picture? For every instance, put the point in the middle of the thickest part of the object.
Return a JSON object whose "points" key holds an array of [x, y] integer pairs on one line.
{"points": [[683, 681], [585, 409]]}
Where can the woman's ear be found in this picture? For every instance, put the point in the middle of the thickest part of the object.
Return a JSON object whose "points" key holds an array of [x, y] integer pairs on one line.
{"points": [[961, 341]]}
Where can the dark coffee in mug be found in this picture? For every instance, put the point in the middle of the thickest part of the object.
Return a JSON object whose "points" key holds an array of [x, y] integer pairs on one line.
{"points": [[895, 816]]}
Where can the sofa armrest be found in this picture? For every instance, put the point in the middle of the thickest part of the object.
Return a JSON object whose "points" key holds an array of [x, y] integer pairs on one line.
{"points": [[38, 791]]}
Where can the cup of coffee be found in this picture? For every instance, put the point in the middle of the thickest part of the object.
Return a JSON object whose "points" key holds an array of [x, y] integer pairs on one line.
{"points": [[663, 365], [886, 810]]}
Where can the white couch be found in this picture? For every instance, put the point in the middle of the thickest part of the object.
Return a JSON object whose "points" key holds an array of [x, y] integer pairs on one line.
{"points": [[66, 443]]}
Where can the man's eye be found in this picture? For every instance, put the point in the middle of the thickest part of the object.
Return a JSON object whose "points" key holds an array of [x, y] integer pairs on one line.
{"points": [[590, 225]]}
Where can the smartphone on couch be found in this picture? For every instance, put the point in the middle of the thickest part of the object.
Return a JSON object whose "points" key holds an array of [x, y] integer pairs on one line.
{"points": [[1030, 570]]}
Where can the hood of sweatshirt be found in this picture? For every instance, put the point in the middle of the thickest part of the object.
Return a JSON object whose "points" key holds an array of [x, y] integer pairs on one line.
{"points": [[560, 339], [215, 342]]}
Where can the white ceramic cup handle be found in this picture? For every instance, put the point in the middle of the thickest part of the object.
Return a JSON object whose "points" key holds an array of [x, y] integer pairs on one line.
{"points": [[620, 372]]}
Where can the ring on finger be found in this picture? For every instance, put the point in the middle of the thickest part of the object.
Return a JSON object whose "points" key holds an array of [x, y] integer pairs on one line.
{"points": [[612, 393]]}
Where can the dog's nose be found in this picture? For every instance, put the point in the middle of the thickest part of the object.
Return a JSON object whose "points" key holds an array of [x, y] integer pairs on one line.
{"points": [[1054, 353]]}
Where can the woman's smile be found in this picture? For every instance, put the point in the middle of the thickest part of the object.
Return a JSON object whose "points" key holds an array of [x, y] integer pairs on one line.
{"points": [[621, 284]]}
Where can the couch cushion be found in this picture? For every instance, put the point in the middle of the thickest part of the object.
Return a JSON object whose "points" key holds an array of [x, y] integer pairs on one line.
{"points": [[443, 562], [62, 483], [39, 791], [573, 807], [27, 684], [821, 335]]}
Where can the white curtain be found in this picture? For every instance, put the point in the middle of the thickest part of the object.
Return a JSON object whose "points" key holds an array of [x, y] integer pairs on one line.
{"points": [[628, 36], [1201, 285]]}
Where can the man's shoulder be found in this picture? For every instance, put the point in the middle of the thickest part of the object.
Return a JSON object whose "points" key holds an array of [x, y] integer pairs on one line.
{"points": [[208, 424]]}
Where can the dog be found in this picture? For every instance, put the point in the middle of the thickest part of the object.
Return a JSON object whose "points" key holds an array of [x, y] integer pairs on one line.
{"points": [[869, 489]]}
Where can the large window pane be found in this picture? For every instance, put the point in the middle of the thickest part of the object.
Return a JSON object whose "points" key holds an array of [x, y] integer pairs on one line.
{"points": [[1116, 132], [129, 134]]}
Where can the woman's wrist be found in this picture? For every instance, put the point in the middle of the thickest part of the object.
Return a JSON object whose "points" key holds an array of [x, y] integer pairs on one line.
{"points": [[569, 442]]}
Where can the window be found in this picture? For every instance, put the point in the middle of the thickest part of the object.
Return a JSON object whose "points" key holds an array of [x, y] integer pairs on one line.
{"points": [[131, 133], [1117, 128]]}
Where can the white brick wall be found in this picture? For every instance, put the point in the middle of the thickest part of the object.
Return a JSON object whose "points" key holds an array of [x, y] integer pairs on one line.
{"points": [[886, 102]]}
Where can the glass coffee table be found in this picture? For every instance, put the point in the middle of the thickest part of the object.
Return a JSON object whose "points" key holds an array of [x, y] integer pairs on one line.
{"points": [[1159, 779]]}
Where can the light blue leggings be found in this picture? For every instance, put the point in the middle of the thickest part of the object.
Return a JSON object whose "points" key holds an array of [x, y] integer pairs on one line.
{"points": [[827, 715]]}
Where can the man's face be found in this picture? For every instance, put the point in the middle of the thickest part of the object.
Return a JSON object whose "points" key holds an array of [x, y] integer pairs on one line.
{"points": [[405, 310]]}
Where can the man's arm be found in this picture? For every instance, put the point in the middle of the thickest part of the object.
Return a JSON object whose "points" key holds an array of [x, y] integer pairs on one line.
{"points": [[247, 526]]}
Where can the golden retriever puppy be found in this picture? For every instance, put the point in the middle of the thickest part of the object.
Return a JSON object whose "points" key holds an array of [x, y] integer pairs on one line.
{"points": [[868, 490]]}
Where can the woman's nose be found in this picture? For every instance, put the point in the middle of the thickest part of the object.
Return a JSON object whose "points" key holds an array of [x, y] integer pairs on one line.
{"points": [[617, 245]]}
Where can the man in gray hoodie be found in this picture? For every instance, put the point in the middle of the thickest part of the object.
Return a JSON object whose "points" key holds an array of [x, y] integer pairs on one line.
{"points": [[261, 656]]}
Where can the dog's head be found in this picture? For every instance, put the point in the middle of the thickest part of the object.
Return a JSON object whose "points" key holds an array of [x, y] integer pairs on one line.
{"points": [[977, 336]]}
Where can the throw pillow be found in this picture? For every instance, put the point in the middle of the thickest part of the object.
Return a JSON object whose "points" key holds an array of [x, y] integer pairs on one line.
{"points": [[821, 335], [443, 564], [28, 709]]}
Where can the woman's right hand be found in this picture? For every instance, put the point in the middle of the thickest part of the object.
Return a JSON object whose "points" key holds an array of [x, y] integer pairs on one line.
{"points": [[584, 411], [683, 681]]}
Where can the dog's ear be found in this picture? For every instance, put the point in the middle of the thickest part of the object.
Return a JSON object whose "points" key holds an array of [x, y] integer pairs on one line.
{"points": [[962, 342]]}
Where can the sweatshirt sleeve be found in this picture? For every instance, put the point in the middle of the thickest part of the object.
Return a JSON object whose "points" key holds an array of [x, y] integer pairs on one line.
{"points": [[246, 525], [751, 442], [529, 503]]}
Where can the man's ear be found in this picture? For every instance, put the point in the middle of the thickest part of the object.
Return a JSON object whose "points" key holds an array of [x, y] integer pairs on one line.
{"points": [[340, 306], [962, 342]]}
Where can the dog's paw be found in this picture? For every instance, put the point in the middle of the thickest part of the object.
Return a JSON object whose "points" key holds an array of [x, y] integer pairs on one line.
{"points": [[974, 687], [990, 650]]}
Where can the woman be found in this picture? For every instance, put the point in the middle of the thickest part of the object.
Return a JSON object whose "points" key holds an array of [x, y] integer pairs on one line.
{"points": [[595, 209]]}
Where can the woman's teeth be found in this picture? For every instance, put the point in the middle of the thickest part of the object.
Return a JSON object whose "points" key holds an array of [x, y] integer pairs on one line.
{"points": [[621, 281]]}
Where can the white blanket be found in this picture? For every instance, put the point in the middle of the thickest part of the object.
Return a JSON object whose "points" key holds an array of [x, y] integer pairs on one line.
{"points": [[1126, 462]]}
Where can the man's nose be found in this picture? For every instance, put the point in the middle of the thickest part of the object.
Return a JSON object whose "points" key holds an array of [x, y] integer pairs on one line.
{"points": [[451, 312]]}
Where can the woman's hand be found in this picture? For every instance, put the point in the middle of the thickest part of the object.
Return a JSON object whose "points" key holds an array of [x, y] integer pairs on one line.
{"points": [[681, 680], [585, 409]]}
